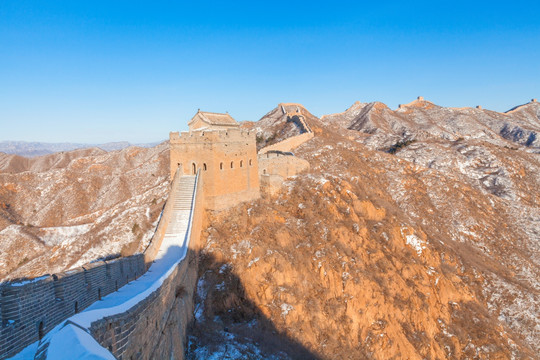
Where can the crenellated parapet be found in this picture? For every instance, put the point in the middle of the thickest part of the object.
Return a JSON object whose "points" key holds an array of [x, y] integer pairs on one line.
{"points": [[197, 136], [31, 308]]}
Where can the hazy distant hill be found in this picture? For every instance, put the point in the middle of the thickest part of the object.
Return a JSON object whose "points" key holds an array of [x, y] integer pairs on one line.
{"points": [[30, 149]]}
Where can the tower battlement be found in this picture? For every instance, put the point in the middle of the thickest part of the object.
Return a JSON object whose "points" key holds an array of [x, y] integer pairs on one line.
{"points": [[225, 154], [203, 135]]}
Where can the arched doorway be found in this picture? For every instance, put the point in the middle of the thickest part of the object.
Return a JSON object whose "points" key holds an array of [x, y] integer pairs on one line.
{"points": [[194, 168], [41, 332]]}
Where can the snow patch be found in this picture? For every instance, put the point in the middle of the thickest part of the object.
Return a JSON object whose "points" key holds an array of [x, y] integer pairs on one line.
{"points": [[25, 282], [285, 308], [253, 262], [63, 234], [415, 242]]}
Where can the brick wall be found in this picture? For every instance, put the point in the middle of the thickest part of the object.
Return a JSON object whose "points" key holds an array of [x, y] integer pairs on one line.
{"points": [[228, 160], [295, 141], [32, 308], [151, 251], [288, 144], [156, 327], [29, 309]]}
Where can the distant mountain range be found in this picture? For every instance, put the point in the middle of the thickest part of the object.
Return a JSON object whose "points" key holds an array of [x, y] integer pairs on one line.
{"points": [[30, 149]]}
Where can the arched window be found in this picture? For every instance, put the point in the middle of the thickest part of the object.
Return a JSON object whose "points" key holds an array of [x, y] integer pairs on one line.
{"points": [[241, 163], [194, 168], [220, 166], [232, 162], [249, 162], [264, 171], [204, 166]]}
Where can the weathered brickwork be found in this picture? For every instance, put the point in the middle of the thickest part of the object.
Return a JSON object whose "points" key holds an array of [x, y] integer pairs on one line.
{"points": [[274, 168], [288, 144], [295, 141], [156, 327], [28, 310], [275, 161], [227, 160], [153, 248], [281, 164]]}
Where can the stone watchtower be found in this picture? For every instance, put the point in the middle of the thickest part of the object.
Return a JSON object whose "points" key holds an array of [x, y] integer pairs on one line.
{"points": [[225, 154]]}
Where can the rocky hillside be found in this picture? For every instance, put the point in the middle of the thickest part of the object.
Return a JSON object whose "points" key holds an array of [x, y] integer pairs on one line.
{"points": [[422, 120], [416, 234], [30, 149], [66, 209]]}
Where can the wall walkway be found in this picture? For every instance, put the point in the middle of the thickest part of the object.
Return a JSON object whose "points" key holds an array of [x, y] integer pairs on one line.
{"points": [[292, 142], [146, 318]]}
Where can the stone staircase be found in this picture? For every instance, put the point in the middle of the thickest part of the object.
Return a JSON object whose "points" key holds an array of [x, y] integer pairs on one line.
{"points": [[182, 203], [113, 309]]}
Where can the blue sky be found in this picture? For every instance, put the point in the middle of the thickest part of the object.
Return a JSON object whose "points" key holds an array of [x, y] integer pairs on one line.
{"points": [[99, 71]]}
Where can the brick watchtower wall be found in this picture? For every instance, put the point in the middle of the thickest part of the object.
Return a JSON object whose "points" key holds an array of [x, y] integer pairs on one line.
{"points": [[228, 162]]}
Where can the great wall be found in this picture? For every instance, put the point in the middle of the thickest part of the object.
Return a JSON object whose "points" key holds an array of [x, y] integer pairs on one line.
{"points": [[139, 307]]}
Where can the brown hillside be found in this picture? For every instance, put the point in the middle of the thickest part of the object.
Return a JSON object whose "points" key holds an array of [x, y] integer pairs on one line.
{"points": [[429, 251], [66, 209]]}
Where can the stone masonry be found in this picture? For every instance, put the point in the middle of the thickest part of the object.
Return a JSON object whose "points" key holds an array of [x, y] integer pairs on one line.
{"points": [[29, 309], [227, 159]]}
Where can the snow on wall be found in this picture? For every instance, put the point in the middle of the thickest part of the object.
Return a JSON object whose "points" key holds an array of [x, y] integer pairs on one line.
{"points": [[30, 309], [50, 299], [114, 326]]}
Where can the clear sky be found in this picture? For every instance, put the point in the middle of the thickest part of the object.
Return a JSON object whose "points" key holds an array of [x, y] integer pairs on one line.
{"points": [[98, 71]]}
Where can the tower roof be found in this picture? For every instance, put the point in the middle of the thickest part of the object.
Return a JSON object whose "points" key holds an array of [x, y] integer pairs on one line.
{"points": [[214, 119]]}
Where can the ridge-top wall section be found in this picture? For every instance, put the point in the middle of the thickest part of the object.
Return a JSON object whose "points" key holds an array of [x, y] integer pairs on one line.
{"points": [[30, 309], [292, 142], [156, 327]]}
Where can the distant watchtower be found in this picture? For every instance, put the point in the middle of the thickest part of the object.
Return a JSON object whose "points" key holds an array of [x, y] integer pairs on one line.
{"points": [[225, 154]]}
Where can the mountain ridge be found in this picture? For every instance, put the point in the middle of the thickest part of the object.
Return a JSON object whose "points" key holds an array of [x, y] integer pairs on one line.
{"points": [[32, 149]]}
